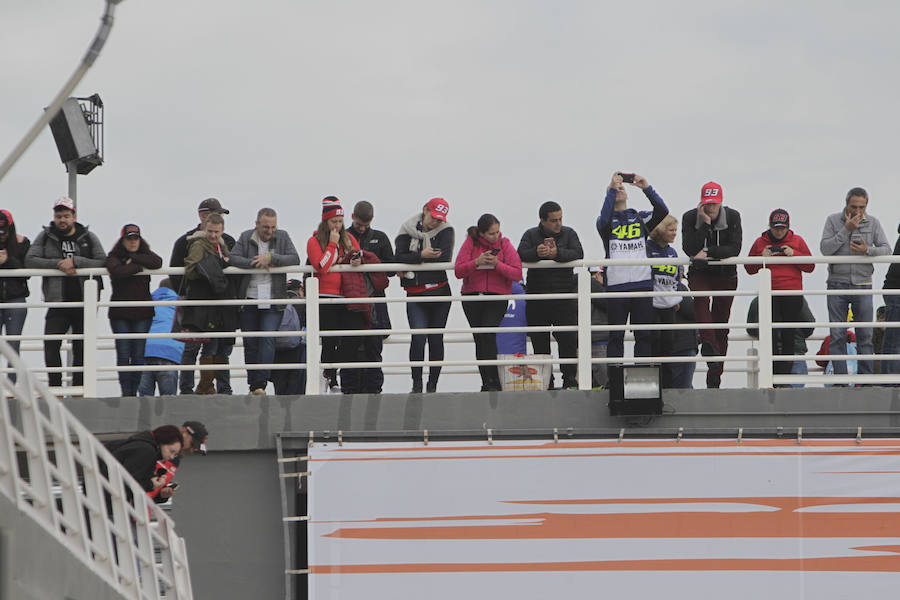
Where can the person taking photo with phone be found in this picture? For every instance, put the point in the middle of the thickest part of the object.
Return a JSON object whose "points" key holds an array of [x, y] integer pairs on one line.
{"points": [[780, 240], [488, 264], [852, 232]]}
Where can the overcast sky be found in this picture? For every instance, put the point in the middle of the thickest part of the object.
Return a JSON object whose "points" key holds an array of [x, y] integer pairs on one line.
{"points": [[494, 105]]}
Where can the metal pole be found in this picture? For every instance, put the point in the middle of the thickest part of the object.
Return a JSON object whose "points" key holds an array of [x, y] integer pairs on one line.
{"points": [[584, 329], [73, 183], [765, 329], [313, 341]]}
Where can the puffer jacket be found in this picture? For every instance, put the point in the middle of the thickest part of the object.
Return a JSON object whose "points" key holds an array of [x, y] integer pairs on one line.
{"points": [[128, 286], [46, 251], [493, 281], [15, 288]]}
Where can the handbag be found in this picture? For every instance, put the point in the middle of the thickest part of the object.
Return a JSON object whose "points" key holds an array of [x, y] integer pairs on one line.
{"points": [[189, 332]]}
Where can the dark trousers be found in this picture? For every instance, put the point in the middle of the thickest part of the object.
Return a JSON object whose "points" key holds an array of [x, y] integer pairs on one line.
{"points": [[486, 314], [130, 352], [427, 315], [341, 349], [641, 312], [663, 341], [59, 321], [785, 309], [289, 382], [713, 310], [189, 357], [541, 313]]}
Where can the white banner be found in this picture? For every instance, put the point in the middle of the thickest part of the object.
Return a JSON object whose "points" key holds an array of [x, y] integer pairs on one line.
{"points": [[639, 519]]}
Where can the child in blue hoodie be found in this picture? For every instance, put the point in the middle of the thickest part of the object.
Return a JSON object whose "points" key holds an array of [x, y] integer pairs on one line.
{"points": [[162, 351], [624, 232]]}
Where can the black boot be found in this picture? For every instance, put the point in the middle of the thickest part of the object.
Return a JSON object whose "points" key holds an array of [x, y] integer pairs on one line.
{"points": [[417, 380], [434, 374]]}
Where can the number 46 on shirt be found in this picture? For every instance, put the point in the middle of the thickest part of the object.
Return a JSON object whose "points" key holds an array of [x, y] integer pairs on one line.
{"points": [[627, 232]]}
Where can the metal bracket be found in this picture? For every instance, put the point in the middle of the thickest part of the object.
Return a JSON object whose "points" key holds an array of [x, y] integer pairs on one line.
{"points": [[312, 437], [340, 438], [740, 435], [555, 435], [859, 435], [425, 437], [680, 435], [799, 435], [621, 435], [490, 437]]}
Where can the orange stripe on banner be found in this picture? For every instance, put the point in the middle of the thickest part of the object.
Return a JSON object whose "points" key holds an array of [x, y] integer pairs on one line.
{"points": [[857, 564], [784, 503], [611, 455], [637, 444], [785, 522]]}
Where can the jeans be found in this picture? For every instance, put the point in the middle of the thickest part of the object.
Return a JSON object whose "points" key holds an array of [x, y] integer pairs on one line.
{"points": [[641, 311], [130, 352], [486, 314], [189, 357], [166, 380], [540, 313], [58, 321], [862, 311], [427, 315], [891, 343], [798, 367], [713, 309], [12, 321], [259, 350], [682, 374]]}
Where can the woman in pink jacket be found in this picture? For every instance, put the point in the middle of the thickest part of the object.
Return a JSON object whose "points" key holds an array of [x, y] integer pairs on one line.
{"points": [[488, 264]]}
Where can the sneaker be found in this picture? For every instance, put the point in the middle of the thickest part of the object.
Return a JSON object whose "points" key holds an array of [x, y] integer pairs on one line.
{"points": [[570, 385], [258, 392]]}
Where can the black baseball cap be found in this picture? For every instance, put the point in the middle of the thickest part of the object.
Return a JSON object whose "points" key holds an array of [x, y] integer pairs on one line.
{"points": [[199, 433], [213, 205]]}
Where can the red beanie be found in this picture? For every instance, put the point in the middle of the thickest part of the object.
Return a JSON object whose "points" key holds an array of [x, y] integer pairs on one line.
{"points": [[331, 207]]}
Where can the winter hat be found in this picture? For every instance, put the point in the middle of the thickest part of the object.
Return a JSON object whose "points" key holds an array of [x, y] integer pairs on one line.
{"points": [[331, 207], [779, 218], [711, 193], [8, 216]]}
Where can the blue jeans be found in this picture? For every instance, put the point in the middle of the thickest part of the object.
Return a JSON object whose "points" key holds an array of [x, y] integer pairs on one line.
{"points": [[798, 367], [427, 315], [130, 352], [682, 374], [12, 321], [259, 350], [166, 380], [891, 343], [862, 311]]}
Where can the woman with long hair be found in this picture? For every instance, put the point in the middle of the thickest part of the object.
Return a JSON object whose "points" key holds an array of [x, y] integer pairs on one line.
{"points": [[329, 245], [139, 454], [130, 255], [12, 289], [488, 264], [426, 237]]}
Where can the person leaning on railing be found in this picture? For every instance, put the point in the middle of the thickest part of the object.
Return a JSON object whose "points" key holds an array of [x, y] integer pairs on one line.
{"points": [[891, 340], [426, 237], [130, 255], [65, 245], [208, 255], [665, 279], [780, 240], [13, 248], [624, 232], [712, 231], [852, 232], [162, 351], [329, 245], [488, 264]]}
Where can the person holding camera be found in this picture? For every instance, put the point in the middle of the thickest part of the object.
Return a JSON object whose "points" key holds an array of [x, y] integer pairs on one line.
{"points": [[780, 240], [13, 248], [625, 232], [488, 264], [852, 232]]}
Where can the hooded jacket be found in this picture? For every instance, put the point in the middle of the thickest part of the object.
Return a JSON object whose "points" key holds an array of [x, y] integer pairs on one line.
{"points": [[548, 281], [722, 238], [47, 250], [323, 260], [283, 254], [212, 317], [15, 288], [836, 242], [138, 454], [163, 319], [784, 277], [493, 281], [128, 286], [892, 281]]}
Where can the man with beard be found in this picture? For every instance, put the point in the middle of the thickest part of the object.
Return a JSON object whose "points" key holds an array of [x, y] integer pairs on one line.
{"points": [[65, 245]]}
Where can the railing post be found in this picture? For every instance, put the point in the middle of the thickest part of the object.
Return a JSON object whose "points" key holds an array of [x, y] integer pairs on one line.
{"points": [[752, 368], [313, 342], [584, 329], [90, 339], [765, 329]]}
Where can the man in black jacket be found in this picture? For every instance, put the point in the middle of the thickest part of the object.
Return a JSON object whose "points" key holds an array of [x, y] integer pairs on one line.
{"points": [[708, 233], [378, 243], [179, 253], [551, 240]]}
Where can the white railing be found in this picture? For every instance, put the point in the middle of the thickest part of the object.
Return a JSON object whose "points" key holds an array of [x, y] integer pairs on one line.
{"points": [[59, 475], [759, 364]]}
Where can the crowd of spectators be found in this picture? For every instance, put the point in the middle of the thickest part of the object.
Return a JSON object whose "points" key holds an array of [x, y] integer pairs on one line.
{"points": [[488, 263]]}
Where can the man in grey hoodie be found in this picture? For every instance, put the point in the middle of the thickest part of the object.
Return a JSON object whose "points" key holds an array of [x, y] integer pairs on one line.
{"points": [[852, 232], [65, 245]]}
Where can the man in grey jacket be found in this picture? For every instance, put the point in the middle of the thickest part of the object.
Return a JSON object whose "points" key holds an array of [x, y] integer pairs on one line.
{"points": [[65, 245], [262, 248], [852, 232]]}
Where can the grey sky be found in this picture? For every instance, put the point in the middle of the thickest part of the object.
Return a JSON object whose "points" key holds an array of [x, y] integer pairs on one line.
{"points": [[494, 105]]}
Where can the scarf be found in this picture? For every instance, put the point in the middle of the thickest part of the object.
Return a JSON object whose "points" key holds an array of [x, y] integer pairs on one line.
{"points": [[718, 225], [416, 235]]}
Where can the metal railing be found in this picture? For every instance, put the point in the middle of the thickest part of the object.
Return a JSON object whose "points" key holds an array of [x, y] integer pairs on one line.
{"points": [[60, 476], [759, 364]]}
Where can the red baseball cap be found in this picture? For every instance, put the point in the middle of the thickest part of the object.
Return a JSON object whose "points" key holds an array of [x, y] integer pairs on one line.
{"points": [[711, 193], [439, 208]]}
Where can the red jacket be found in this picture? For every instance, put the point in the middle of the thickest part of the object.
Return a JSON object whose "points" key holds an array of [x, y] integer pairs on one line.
{"points": [[784, 277], [497, 280], [323, 260]]}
